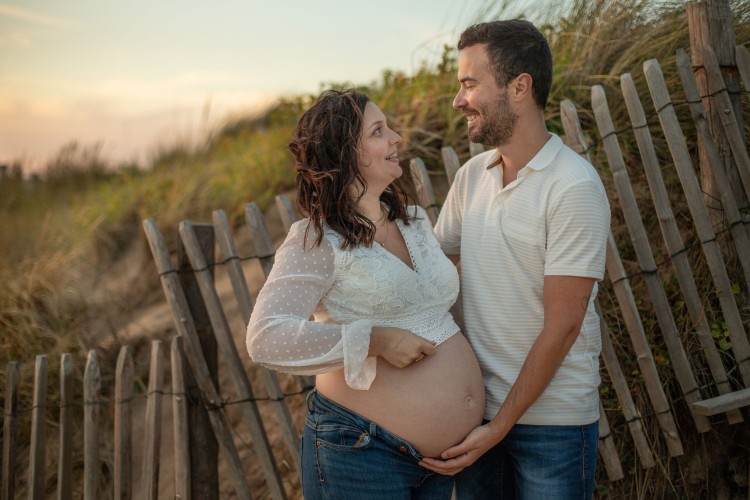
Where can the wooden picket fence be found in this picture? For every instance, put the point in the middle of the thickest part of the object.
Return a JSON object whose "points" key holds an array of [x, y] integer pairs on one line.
{"points": [[729, 371], [92, 403], [728, 401]]}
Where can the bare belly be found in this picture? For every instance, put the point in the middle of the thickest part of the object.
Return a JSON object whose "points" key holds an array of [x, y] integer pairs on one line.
{"points": [[433, 404]]}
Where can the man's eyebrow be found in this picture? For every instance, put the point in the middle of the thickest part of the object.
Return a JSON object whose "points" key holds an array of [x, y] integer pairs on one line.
{"points": [[468, 79]]}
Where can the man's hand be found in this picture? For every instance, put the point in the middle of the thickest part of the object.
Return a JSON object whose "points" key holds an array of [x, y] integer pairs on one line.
{"points": [[457, 458]]}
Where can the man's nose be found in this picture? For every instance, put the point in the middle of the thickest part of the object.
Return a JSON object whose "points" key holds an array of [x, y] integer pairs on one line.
{"points": [[459, 101]]}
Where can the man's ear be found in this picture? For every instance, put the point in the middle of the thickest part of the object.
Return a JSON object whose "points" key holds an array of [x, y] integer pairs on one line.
{"points": [[521, 87]]}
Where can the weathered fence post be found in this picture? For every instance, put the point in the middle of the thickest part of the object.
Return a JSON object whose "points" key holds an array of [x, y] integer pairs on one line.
{"points": [[451, 163], [180, 426], [38, 430], [123, 425], [286, 211], [620, 385], [152, 440], [475, 148], [9, 430], [92, 387], [423, 185], [65, 460], [710, 23], [204, 466]]}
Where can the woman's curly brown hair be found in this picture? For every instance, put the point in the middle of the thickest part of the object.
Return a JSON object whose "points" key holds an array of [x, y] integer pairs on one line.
{"points": [[325, 146]]}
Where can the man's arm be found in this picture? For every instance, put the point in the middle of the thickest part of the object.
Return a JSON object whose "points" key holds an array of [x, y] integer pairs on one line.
{"points": [[565, 301]]}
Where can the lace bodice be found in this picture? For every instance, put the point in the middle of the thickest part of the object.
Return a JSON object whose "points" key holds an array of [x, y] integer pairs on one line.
{"points": [[349, 292]]}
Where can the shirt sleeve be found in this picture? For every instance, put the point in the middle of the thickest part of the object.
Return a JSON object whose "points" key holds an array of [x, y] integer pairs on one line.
{"points": [[280, 334], [578, 226]]}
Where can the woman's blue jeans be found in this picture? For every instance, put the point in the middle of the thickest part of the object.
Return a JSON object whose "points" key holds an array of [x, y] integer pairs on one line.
{"points": [[346, 456], [535, 462]]}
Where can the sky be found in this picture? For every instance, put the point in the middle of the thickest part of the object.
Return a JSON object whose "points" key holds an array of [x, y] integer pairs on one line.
{"points": [[138, 75]]}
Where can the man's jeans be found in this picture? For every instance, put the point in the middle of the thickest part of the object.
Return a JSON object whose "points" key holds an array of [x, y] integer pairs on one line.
{"points": [[535, 462], [346, 456]]}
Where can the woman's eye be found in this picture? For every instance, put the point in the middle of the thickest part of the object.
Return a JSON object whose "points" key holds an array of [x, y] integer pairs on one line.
{"points": [[378, 131]]}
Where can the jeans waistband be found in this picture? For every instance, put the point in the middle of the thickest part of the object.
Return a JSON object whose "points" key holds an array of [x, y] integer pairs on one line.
{"points": [[316, 401]]}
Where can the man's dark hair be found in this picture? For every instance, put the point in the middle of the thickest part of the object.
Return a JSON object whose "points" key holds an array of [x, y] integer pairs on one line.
{"points": [[513, 47]]}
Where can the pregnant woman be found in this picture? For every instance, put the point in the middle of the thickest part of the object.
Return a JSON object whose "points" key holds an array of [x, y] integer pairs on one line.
{"points": [[396, 380]]}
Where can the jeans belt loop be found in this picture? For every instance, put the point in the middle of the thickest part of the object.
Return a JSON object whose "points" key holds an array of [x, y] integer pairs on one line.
{"points": [[309, 397], [373, 429]]}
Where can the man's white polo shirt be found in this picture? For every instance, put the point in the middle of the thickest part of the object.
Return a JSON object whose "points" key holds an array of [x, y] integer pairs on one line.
{"points": [[552, 220]]}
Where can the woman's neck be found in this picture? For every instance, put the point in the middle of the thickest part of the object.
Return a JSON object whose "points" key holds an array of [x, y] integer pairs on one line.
{"points": [[370, 207]]}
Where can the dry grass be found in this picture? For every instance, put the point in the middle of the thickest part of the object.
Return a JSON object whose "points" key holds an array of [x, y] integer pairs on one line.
{"points": [[74, 265]]}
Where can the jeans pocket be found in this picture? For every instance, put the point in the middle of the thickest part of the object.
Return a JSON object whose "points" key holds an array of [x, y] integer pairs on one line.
{"points": [[341, 437]]}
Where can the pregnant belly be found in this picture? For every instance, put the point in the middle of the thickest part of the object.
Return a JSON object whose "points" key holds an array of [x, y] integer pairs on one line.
{"points": [[433, 404]]}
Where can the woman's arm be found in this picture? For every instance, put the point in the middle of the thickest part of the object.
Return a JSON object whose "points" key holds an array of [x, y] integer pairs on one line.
{"points": [[280, 333]]}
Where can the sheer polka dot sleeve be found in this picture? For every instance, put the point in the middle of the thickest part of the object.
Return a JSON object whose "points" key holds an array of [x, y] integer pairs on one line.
{"points": [[280, 334]]}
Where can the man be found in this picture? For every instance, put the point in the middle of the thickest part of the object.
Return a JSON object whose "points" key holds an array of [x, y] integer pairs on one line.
{"points": [[528, 222]]}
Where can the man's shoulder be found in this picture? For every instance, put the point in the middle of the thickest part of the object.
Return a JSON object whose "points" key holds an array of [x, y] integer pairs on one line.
{"points": [[572, 167], [567, 156]]}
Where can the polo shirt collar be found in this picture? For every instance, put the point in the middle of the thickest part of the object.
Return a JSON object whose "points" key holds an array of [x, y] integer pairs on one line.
{"points": [[547, 154], [541, 160]]}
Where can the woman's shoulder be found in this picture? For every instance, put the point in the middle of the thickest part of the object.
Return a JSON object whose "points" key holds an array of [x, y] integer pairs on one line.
{"points": [[299, 226], [418, 217], [298, 229], [415, 212], [304, 232], [301, 255]]}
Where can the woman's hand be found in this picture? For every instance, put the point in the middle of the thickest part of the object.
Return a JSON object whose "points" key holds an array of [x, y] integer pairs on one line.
{"points": [[399, 347]]}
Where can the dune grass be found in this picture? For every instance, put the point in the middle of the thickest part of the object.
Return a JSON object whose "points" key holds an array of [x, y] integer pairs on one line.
{"points": [[61, 235]]}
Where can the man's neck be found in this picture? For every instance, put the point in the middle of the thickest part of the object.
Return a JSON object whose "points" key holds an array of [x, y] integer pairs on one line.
{"points": [[526, 141]]}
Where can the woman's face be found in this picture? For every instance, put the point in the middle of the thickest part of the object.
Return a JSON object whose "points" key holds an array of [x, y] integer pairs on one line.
{"points": [[378, 150]]}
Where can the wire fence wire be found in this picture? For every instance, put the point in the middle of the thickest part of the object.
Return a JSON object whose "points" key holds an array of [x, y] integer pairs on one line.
{"points": [[114, 401]]}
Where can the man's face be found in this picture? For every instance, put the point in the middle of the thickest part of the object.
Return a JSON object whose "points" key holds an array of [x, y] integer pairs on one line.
{"points": [[486, 106]]}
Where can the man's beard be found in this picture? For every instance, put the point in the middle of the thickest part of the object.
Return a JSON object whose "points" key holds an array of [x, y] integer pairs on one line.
{"points": [[498, 123]]}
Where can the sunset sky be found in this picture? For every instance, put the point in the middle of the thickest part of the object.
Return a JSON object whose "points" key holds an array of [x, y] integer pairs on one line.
{"points": [[135, 75]]}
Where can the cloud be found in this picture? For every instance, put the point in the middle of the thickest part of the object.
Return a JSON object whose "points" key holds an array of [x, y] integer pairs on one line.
{"points": [[32, 17]]}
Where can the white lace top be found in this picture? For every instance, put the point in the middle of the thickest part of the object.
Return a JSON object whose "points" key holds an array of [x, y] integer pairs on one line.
{"points": [[349, 292]]}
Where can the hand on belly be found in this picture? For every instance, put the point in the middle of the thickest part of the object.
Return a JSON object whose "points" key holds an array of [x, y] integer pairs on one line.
{"points": [[433, 403]]}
